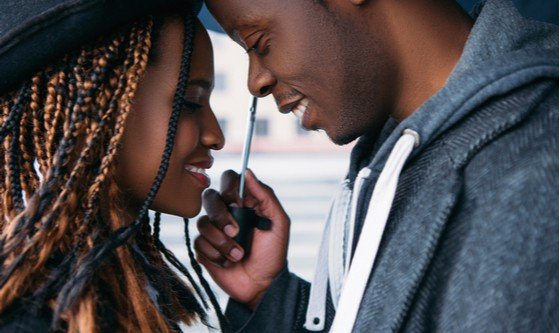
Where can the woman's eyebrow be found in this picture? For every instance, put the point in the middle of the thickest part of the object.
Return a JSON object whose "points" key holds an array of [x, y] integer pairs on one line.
{"points": [[204, 84]]}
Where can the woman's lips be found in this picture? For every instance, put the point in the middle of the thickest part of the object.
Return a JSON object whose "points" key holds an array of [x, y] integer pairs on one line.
{"points": [[199, 174]]}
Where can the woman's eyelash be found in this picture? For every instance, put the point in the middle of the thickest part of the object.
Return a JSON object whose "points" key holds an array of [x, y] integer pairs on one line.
{"points": [[191, 106]]}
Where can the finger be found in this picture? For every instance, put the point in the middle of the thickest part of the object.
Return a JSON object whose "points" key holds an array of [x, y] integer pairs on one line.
{"points": [[221, 242], [218, 213], [205, 249], [229, 227], [229, 187], [266, 200], [218, 272], [249, 201]]}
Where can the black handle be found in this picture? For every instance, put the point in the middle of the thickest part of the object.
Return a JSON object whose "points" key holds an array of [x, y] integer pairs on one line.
{"points": [[247, 220]]}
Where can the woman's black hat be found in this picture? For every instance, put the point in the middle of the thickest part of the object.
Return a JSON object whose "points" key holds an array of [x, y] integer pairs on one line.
{"points": [[34, 32]]}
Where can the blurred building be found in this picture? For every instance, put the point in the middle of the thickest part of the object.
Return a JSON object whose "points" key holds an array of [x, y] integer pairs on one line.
{"points": [[274, 132]]}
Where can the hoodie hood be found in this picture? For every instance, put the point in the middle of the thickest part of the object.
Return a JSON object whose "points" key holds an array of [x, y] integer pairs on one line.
{"points": [[503, 51]]}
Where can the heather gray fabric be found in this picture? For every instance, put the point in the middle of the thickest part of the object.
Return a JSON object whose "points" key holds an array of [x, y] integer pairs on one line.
{"points": [[471, 244]]}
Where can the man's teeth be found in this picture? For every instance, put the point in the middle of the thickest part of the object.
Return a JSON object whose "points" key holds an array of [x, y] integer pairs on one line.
{"points": [[300, 108], [194, 169]]}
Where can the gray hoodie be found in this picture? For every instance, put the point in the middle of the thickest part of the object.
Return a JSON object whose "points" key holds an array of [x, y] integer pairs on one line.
{"points": [[471, 240]]}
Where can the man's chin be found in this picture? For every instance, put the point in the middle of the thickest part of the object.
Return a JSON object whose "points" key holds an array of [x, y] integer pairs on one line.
{"points": [[341, 140]]}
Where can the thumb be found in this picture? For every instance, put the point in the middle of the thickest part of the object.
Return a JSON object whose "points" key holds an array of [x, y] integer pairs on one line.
{"points": [[266, 201], [260, 191]]}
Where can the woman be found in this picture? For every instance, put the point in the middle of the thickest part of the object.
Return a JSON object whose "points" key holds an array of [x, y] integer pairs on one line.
{"points": [[83, 142]]}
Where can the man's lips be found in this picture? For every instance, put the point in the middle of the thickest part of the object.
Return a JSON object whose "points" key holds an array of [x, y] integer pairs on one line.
{"points": [[288, 107], [300, 109]]}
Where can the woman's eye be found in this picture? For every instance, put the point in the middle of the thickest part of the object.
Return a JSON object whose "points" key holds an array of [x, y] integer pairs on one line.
{"points": [[189, 106]]}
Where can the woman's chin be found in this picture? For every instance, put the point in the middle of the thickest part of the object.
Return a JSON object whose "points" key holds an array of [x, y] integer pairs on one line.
{"points": [[186, 204], [191, 213], [186, 213]]}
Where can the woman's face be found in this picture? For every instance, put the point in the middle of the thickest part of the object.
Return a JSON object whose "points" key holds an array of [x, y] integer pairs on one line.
{"points": [[198, 131]]}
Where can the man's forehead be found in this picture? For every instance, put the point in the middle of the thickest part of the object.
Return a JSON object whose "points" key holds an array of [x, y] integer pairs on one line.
{"points": [[237, 27], [246, 21], [238, 30], [238, 15]]}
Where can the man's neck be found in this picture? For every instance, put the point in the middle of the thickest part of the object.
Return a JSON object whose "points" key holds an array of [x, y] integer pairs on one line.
{"points": [[429, 37]]}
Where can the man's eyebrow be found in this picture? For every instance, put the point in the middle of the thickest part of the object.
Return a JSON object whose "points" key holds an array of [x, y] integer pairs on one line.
{"points": [[236, 36], [236, 32], [205, 84]]}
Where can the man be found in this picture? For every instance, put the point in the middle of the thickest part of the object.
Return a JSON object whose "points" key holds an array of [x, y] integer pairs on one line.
{"points": [[448, 218]]}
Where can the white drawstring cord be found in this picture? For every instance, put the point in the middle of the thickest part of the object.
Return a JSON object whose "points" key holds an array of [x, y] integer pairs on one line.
{"points": [[338, 219], [315, 315], [372, 230], [358, 183]]}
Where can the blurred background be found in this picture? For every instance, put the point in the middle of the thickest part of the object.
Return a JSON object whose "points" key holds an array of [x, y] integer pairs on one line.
{"points": [[304, 168]]}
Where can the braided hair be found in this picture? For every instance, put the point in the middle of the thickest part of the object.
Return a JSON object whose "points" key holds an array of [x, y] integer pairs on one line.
{"points": [[66, 244]]}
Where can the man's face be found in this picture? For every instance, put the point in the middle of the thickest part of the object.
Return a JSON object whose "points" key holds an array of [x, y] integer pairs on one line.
{"points": [[320, 61]]}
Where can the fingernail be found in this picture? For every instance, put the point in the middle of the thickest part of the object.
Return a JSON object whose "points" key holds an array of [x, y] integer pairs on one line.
{"points": [[236, 254], [230, 230]]}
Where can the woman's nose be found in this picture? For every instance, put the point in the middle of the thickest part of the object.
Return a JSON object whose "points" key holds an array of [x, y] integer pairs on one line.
{"points": [[212, 136], [261, 80]]}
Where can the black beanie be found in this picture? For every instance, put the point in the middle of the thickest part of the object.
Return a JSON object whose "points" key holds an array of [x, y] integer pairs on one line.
{"points": [[35, 32]]}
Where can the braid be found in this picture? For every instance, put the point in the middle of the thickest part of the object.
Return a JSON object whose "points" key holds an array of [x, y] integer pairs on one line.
{"points": [[58, 170], [4, 207], [71, 100], [125, 104], [224, 325], [157, 222], [81, 108], [30, 179], [49, 116], [186, 298], [13, 117], [93, 260], [38, 121], [15, 189], [162, 278], [95, 132], [76, 110], [7, 199], [15, 179], [178, 265], [56, 92], [65, 242]]}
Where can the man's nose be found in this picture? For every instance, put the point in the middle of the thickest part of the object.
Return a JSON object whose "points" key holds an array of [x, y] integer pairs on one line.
{"points": [[261, 80]]}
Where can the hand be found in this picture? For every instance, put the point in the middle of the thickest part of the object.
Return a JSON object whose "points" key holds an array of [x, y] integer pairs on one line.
{"points": [[245, 280]]}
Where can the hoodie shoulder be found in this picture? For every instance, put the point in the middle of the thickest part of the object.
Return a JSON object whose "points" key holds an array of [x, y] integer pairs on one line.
{"points": [[535, 103]]}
